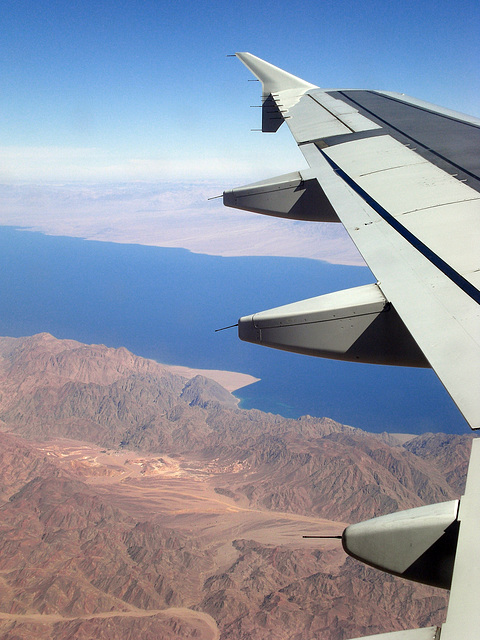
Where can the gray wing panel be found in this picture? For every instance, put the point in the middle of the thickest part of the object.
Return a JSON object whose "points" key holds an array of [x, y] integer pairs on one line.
{"points": [[442, 137]]}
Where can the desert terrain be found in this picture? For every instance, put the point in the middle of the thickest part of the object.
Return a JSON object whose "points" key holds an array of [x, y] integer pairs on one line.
{"points": [[139, 502]]}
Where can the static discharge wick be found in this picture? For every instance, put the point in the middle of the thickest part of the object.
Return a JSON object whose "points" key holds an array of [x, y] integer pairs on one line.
{"points": [[230, 327], [325, 537]]}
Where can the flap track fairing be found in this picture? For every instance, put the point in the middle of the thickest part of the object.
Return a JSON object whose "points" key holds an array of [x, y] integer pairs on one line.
{"points": [[292, 195], [357, 325], [417, 544]]}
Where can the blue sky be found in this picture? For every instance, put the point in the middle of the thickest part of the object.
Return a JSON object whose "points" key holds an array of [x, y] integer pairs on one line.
{"points": [[137, 91]]}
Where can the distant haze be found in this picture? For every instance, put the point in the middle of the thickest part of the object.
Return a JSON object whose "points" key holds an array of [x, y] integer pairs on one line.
{"points": [[169, 215]]}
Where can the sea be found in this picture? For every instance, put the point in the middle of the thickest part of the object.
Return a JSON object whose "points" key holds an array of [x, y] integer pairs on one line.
{"points": [[165, 304]]}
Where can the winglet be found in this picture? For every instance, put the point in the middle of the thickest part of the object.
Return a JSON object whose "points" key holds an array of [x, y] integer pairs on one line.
{"points": [[272, 78]]}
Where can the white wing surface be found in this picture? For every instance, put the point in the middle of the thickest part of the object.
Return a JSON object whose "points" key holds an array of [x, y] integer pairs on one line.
{"points": [[403, 178]]}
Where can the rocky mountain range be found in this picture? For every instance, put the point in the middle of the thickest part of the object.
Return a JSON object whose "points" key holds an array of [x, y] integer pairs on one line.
{"points": [[137, 502]]}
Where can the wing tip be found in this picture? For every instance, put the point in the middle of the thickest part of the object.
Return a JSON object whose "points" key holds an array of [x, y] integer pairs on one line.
{"points": [[272, 78]]}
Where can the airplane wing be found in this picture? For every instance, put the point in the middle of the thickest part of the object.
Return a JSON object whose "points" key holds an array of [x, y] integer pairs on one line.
{"points": [[403, 177]]}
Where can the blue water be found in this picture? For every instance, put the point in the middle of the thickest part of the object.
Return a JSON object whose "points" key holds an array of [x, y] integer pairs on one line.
{"points": [[166, 303]]}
